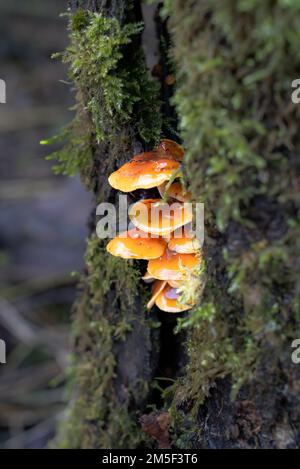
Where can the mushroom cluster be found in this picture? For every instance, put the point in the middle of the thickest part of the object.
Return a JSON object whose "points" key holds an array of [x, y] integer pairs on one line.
{"points": [[161, 235]]}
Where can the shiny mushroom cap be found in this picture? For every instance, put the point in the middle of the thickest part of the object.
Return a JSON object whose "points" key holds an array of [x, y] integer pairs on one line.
{"points": [[184, 242], [176, 191], [160, 218], [171, 149], [143, 172], [148, 156], [134, 244], [167, 300], [172, 266]]}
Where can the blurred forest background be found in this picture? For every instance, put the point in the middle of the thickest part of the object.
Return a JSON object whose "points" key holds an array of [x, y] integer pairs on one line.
{"points": [[42, 230]]}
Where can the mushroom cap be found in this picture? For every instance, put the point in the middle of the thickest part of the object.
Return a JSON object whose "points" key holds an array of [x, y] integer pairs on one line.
{"points": [[148, 278], [170, 148], [143, 172], [157, 287], [147, 156], [134, 244], [175, 283], [184, 244], [166, 300], [176, 191], [172, 266], [160, 218]]}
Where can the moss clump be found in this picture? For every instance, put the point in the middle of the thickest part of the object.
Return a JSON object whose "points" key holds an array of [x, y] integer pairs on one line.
{"points": [[79, 20], [113, 91], [238, 123]]}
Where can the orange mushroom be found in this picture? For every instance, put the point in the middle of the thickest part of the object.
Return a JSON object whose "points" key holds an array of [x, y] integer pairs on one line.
{"points": [[143, 172], [134, 244], [170, 148], [184, 243], [148, 278], [158, 286], [148, 156], [175, 283], [176, 191], [172, 266], [167, 300], [160, 218]]}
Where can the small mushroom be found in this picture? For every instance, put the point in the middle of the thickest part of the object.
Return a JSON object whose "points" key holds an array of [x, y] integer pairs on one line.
{"points": [[134, 244], [167, 300], [175, 191], [143, 172], [170, 148], [160, 218], [172, 266], [158, 286]]}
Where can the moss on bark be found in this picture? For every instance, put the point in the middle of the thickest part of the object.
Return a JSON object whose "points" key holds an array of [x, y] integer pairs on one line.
{"points": [[235, 64]]}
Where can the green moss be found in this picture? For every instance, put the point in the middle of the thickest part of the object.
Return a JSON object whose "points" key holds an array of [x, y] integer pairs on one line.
{"points": [[113, 91], [76, 152], [234, 73], [79, 20]]}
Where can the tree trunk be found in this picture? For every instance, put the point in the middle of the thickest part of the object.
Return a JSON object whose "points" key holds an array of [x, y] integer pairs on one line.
{"points": [[226, 379]]}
